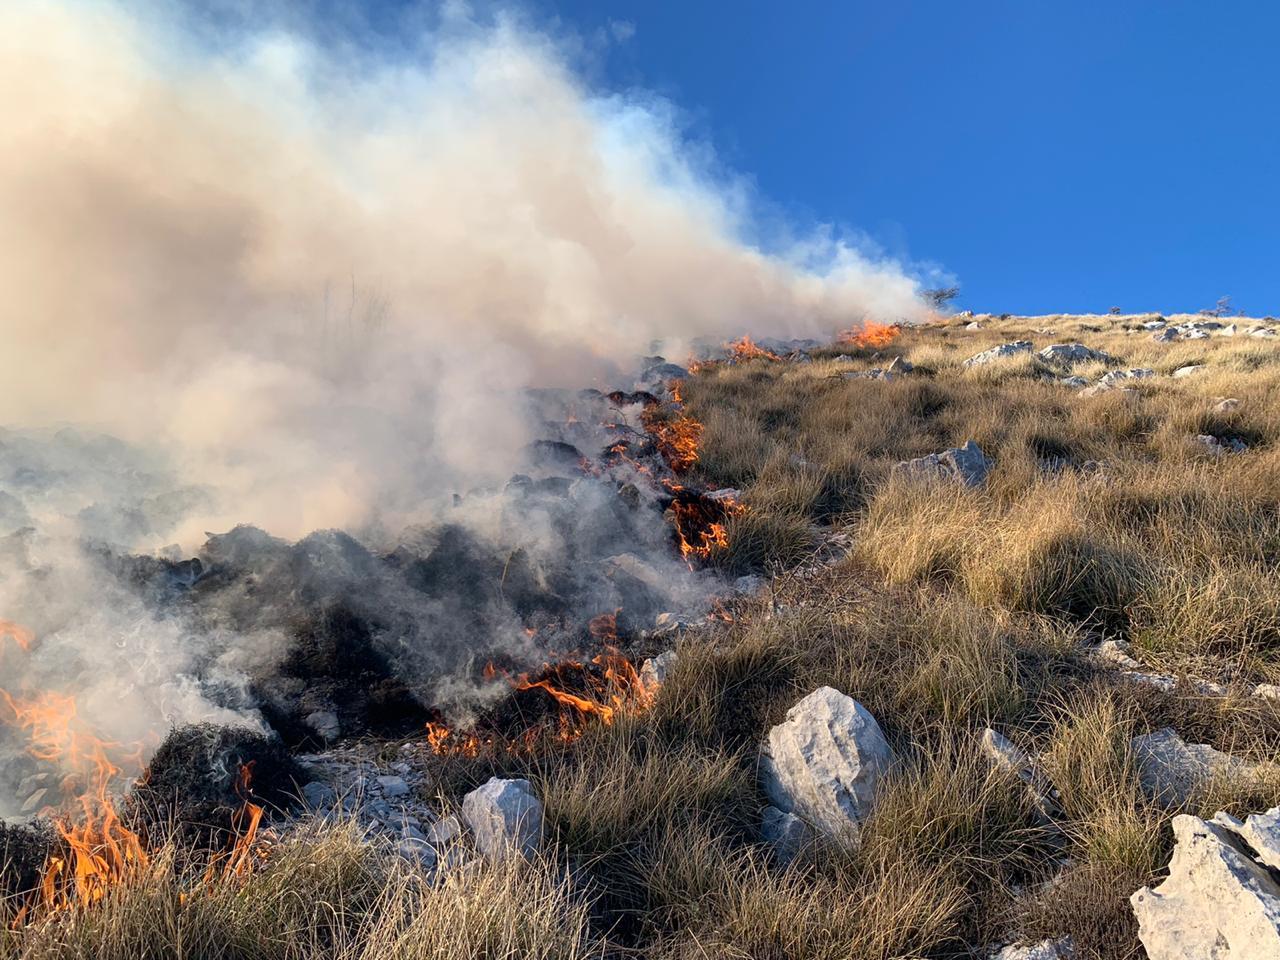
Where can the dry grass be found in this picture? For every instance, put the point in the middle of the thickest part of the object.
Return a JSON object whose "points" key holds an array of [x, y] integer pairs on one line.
{"points": [[957, 609]]}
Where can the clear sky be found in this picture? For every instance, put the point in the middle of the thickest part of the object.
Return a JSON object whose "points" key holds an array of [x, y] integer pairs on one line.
{"points": [[1068, 155]]}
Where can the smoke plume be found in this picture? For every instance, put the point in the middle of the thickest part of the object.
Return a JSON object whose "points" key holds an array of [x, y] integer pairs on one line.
{"points": [[263, 278]]}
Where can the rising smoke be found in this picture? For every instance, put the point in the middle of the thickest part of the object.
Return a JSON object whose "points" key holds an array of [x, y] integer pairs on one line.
{"points": [[274, 280]]}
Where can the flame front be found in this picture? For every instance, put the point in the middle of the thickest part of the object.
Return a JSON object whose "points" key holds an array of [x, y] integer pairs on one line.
{"points": [[871, 334]]}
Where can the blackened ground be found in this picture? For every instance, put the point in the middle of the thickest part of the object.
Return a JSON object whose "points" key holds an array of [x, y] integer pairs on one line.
{"points": [[202, 775], [24, 850]]}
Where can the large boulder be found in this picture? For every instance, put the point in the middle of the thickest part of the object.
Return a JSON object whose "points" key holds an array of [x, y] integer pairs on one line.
{"points": [[1218, 903], [967, 465], [1011, 349], [505, 817], [824, 762]]}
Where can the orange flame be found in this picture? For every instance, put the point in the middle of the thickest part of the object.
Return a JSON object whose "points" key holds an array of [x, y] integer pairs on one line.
{"points": [[677, 440], [699, 531], [871, 334], [102, 851], [19, 634], [614, 686], [744, 349]]}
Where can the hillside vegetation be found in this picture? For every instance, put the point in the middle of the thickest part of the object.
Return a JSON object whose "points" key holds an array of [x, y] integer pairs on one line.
{"points": [[949, 609]]}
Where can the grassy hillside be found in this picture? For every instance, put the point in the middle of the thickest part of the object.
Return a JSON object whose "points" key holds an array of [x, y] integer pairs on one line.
{"points": [[955, 609]]}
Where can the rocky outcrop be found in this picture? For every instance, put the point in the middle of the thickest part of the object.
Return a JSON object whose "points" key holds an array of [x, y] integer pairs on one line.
{"points": [[967, 465], [1218, 902], [824, 762], [505, 817], [1011, 349], [1069, 354]]}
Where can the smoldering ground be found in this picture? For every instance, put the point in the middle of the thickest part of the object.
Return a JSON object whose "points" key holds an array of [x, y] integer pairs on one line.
{"points": [[282, 281]]}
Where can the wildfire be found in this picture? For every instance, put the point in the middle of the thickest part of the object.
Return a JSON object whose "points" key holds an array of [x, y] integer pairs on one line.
{"points": [[101, 851], [700, 524], [607, 685], [871, 334], [677, 440], [744, 349]]}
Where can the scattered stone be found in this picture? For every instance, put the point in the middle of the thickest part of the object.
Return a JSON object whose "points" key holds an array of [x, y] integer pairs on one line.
{"points": [[35, 802], [1188, 371], [898, 366], [998, 353], [1044, 950], [1069, 354], [1217, 903], [1161, 681], [1226, 404], [1006, 756], [1263, 332], [444, 830], [318, 795], [393, 786], [750, 584], [973, 325], [1167, 335], [1220, 446], [965, 464], [1171, 771], [505, 817], [1073, 381], [824, 762], [1228, 331], [654, 671], [1116, 652], [1114, 377], [1270, 691], [1154, 324], [784, 832], [417, 851]]}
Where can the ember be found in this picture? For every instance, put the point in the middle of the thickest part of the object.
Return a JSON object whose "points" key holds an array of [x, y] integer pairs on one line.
{"points": [[700, 522]]}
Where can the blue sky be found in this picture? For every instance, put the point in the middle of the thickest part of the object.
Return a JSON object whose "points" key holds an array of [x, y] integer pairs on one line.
{"points": [[1053, 156]]}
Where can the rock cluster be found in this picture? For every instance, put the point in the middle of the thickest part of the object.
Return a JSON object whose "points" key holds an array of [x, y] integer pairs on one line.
{"points": [[1171, 771], [505, 817]]}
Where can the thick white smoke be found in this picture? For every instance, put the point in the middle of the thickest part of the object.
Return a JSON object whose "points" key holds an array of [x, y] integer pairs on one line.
{"points": [[316, 276], [309, 285]]}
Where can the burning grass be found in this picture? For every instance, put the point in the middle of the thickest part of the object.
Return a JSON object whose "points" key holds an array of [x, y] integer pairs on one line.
{"points": [[957, 609]]}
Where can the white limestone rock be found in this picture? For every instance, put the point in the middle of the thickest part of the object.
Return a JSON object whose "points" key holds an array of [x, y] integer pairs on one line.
{"points": [[1171, 771], [505, 817], [654, 671], [1069, 354], [824, 762], [1011, 349], [1217, 903], [1189, 370], [1044, 950], [967, 465], [784, 832]]}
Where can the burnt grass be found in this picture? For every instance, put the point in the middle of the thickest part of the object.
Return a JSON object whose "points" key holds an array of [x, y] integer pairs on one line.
{"points": [[202, 775]]}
